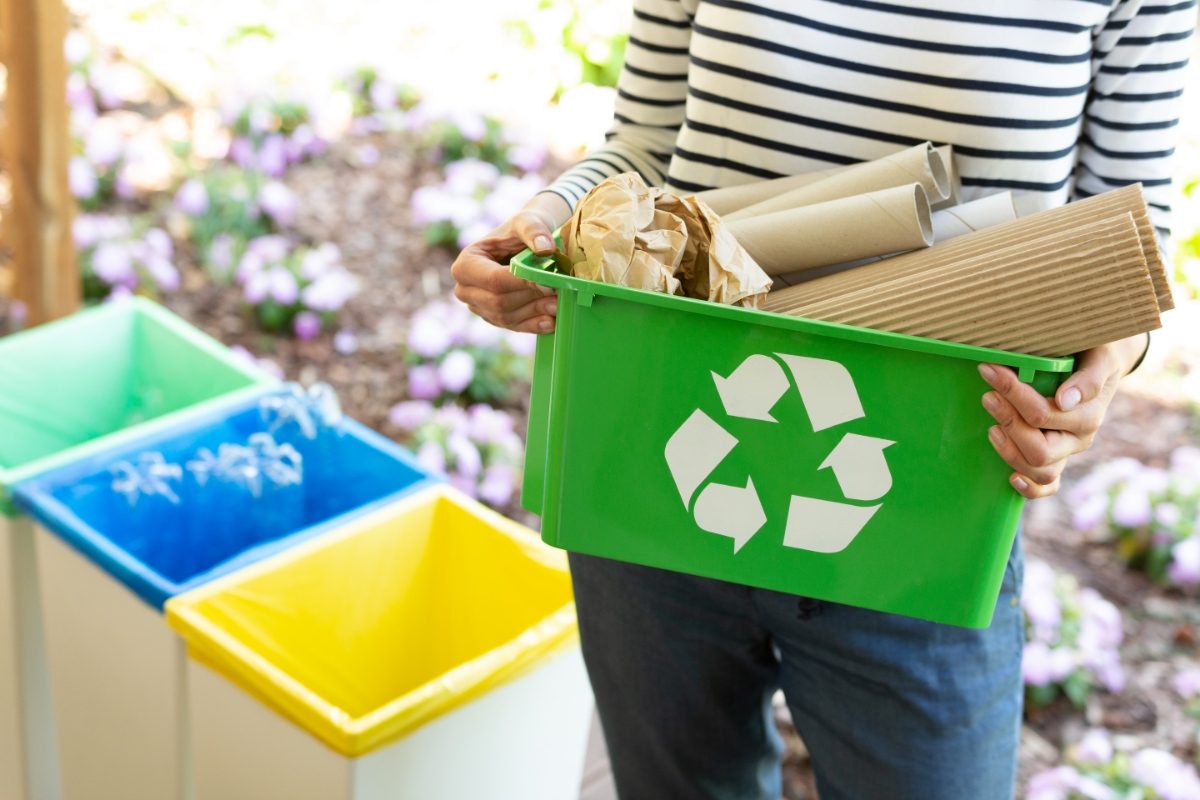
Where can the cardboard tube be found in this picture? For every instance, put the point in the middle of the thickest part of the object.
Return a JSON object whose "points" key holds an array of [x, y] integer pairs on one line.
{"points": [[728, 199], [948, 223], [946, 152], [1053, 295], [832, 232], [918, 164], [1064, 218], [986, 212]]}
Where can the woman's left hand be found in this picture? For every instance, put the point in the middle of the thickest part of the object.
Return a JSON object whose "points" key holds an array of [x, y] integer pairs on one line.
{"points": [[1036, 435]]}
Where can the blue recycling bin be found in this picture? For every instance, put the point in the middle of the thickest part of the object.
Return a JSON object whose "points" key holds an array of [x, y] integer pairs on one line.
{"points": [[124, 530]]}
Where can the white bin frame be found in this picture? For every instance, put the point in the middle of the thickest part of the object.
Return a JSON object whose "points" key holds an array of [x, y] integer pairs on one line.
{"points": [[28, 752], [524, 740], [116, 674]]}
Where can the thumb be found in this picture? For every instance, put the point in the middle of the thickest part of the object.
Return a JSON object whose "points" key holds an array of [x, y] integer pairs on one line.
{"points": [[535, 233], [1084, 385]]}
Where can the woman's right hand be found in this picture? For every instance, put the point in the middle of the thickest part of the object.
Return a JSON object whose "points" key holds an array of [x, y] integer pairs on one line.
{"points": [[484, 282]]}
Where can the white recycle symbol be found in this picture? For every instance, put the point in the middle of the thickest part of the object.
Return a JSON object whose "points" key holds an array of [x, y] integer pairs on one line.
{"points": [[750, 392]]}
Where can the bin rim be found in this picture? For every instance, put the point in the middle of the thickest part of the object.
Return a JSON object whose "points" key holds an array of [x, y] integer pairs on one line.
{"points": [[35, 497], [355, 736], [543, 270], [11, 476]]}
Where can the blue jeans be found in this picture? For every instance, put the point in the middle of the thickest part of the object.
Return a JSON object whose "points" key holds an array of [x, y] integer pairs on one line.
{"points": [[684, 669]]}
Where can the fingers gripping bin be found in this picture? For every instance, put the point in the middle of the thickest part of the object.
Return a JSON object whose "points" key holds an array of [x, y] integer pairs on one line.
{"points": [[365, 665], [68, 389], [109, 557], [841, 463]]}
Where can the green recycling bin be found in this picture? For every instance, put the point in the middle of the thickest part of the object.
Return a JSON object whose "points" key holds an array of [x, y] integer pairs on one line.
{"points": [[69, 389], [820, 459]]}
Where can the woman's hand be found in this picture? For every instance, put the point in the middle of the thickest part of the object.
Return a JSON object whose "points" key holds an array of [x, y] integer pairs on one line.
{"points": [[1036, 435], [484, 282]]}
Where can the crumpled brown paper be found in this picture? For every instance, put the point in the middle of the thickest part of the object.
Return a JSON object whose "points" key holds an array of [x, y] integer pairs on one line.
{"points": [[629, 234]]}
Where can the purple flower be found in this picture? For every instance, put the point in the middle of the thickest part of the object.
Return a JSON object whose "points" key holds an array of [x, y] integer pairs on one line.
{"points": [[284, 289], [1089, 513], [269, 248], [1171, 778], [241, 151], [1094, 748], [79, 95], [456, 371], [469, 123], [278, 202], [345, 342], [468, 175], [498, 485], [473, 233], [192, 197], [1167, 514], [430, 204], [307, 326], [431, 457], [527, 157], [330, 291], [522, 344], [272, 156], [319, 260], [1187, 683], [163, 272], [113, 263], [82, 178], [159, 242], [1132, 508], [488, 425], [428, 336], [464, 483], [1184, 569], [1053, 784], [85, 231], [423, 382], [1035, 664], [411, 414], [466, 456]]}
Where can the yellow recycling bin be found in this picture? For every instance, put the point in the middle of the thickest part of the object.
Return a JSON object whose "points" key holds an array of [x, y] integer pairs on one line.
{"points": [[426, 651]]}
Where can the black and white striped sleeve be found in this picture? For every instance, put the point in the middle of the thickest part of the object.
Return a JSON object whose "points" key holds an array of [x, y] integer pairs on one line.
{"points": [[649, 107], [1131, 121]]}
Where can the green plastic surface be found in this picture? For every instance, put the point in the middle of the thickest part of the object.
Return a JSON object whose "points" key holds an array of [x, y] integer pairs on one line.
{"points": [[72, 387], [625, 369]]}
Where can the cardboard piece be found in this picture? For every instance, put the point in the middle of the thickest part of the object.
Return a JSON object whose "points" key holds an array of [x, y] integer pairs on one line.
{"points": [[949, 162], [629, 234], [836, 231], [948, 223], [728, 199], [919, 164], [986, 212], [1127, 199], [1050, 295]]}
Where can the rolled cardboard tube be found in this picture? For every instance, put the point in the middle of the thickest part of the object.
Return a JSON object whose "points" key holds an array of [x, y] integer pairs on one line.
{"points": [[986, 212], [919, 164], [946, 152], [845, 229], [728, 199], [948, 223]]}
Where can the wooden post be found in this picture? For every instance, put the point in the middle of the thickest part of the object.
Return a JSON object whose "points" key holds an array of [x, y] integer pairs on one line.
{"points": [[37, 145]]}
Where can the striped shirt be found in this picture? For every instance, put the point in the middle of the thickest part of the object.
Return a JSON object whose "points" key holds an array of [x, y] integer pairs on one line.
{"points": [[1053, 99]]}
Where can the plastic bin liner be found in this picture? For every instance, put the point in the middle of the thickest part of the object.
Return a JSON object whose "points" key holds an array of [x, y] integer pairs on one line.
{"points": [[160, 545], [365, 634], [102, 371]]}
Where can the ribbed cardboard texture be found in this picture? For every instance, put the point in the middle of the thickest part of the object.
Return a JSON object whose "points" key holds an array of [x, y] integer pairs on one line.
{"points": [[920, 164], [836, 231], [1051, 295], [1064, 218]]}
